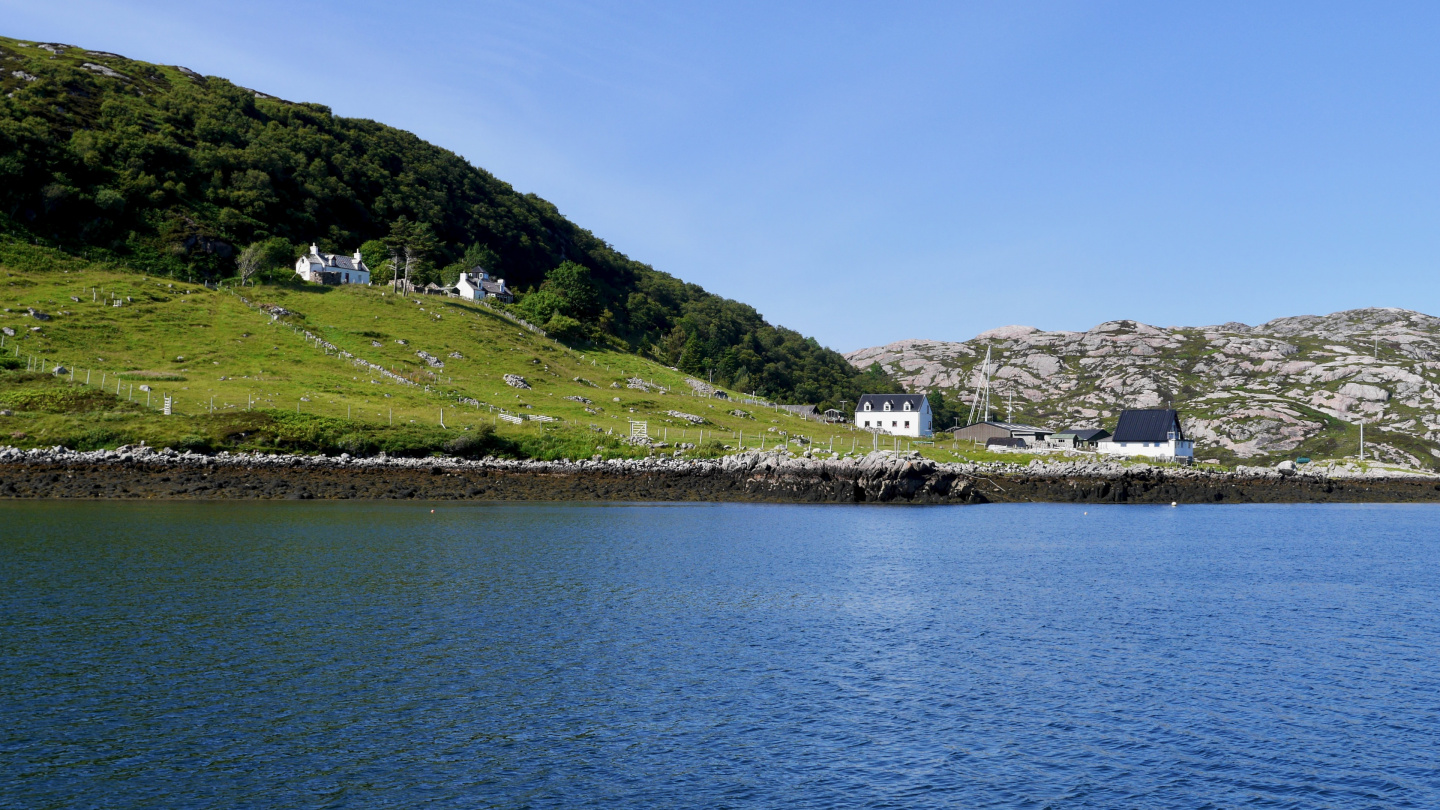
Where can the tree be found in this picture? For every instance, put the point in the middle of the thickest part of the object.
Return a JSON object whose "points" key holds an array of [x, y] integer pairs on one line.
{"points": [[373, 253], [478, 255], [409, 244], [571, 282], [539, 306], [248, 264], [564, 328], [263, 256]]}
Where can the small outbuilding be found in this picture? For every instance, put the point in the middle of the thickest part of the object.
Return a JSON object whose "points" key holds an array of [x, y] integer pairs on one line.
{"points": [[1078, 438], [983, 432]]}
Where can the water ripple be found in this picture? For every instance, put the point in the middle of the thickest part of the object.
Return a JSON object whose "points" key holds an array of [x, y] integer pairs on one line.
{"points": [[377, 655]]}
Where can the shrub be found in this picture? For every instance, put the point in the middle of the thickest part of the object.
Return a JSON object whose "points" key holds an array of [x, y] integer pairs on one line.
{"points": [[482, 441], [712, 448]]}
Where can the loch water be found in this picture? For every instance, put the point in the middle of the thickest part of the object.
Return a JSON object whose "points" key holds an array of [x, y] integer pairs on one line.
{"points": [[627, 655]]}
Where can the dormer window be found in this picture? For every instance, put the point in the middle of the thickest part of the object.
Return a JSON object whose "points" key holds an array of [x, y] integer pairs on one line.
{"points": [[907, 406], [867, 406], [887, 406]]}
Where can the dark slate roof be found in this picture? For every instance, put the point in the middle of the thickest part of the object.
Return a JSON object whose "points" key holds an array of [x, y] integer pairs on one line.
{"points": [[1005, 441], [1088, 434], [340, 262], [897, 402], [494, 288], [1147, 426]]}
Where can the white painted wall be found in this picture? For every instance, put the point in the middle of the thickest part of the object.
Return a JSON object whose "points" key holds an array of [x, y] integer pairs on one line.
{"points": [[1171, 449]]}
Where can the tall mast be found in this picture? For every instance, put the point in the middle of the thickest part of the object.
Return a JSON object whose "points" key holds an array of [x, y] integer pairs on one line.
{"points": [[982, 389]]}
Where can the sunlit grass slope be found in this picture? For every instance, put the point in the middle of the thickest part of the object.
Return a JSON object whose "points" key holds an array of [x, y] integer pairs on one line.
{"points": [[250, 368]]}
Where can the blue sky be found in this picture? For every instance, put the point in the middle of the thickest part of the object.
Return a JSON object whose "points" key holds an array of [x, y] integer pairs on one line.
{"points": [[869, 172]]}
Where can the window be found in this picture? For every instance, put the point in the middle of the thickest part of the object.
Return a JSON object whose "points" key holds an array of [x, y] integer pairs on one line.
{"points": [[867, 407], [867, 423], [892, 423], [907, 407], [907, 423], [887, 406]]}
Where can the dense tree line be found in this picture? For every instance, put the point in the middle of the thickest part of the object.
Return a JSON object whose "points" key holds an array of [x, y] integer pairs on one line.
{"points": [[191, 176]]}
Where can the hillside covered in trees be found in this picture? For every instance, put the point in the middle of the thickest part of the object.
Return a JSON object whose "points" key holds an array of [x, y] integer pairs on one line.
{"points": [[173, 173]]}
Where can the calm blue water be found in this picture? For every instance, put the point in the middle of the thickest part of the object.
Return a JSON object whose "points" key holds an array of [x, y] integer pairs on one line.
{"points": [[378, 655]]}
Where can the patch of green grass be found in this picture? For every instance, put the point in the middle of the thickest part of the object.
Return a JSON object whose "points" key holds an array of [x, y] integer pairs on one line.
{"points": [[248, 381]]}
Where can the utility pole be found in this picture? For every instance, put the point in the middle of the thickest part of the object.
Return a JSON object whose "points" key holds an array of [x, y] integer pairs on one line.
{"points": [[1362, 439]]}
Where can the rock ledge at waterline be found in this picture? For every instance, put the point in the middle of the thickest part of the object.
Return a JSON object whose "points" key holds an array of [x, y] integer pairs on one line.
{"points": [[881, 477]]}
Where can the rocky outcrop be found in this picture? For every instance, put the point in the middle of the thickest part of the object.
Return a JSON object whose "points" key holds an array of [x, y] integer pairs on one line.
{"points": [[1292, 386], [774, 476]]}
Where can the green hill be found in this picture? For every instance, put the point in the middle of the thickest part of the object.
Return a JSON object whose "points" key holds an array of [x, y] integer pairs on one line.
{"points": [[333, 369], [161, 170]]}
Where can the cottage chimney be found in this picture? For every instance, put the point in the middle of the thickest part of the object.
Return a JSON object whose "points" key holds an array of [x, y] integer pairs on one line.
{"points": [[357, 257], [314, 250]]}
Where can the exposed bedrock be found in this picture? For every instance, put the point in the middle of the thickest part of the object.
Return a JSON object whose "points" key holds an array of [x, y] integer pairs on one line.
{"points": [[754, 476]]}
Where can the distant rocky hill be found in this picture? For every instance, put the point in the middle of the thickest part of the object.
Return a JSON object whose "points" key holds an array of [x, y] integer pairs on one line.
{"points": [[1293, 386]]}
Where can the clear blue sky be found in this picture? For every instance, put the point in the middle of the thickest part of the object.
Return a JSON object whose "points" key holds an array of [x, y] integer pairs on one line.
{"points": [[875, 171]]}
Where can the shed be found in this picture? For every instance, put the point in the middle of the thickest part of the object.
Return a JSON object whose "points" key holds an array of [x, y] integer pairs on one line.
{"points": [[982, 432]]}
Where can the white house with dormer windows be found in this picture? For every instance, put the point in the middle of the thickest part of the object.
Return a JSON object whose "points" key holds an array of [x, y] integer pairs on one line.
{"points": [[895, 414], [477, 285], [332, 268]]}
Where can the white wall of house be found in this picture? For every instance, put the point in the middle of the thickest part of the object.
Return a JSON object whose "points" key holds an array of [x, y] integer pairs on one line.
{"points": [[896, 422], [465, 289], [1171, 449]]}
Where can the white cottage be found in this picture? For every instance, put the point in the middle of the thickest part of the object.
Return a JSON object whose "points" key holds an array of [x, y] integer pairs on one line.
{"points": [[331, 268], [478, 285], [896, 414], [1155, 433]]}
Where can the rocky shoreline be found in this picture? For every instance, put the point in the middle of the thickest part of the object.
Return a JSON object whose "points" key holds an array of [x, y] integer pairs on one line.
{"points": [[778, 477]]}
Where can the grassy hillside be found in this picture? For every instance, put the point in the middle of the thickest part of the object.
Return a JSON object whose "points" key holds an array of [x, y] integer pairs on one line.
{"points": [[260, 368], [172, 173]]}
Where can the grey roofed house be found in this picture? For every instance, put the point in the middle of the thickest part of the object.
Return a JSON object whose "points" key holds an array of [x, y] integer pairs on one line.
{"points": [[897, 402], [1158, 425], [332, 268]]}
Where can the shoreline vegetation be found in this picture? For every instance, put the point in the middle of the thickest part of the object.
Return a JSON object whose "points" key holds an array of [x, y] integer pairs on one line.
{"points": [[751, 476]]}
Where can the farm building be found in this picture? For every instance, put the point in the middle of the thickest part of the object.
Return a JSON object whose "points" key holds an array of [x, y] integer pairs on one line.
{"points": [[1078, 438], [896, 414], [807, 411], [1155, 433], [983, 432]]}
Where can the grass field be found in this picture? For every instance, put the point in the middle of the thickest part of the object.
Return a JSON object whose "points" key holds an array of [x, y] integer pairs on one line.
{"points": [[265, 367]]}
